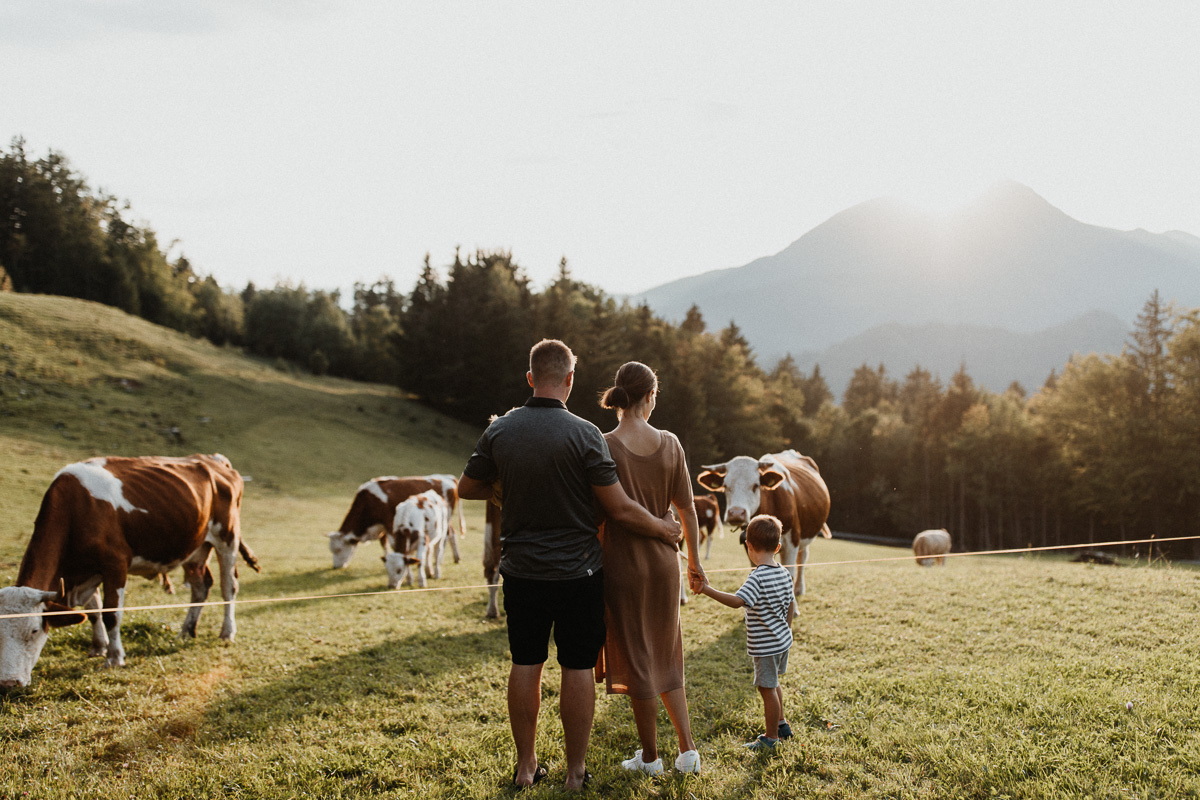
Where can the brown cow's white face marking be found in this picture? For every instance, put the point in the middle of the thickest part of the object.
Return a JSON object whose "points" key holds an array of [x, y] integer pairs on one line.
{"points": [[342, 546], [21, 640], [100, 483], [743, 487]]}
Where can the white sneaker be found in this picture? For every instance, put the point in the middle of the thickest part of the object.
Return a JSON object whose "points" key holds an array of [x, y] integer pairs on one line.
{"points": [[654, 767], [688, 762]]}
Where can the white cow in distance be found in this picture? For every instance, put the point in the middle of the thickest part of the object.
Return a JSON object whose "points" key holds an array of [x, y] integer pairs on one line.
{"points": [[417, 541], [930, 547]]}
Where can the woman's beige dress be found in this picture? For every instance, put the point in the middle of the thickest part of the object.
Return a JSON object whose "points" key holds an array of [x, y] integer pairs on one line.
{"points": [[643, 654]]}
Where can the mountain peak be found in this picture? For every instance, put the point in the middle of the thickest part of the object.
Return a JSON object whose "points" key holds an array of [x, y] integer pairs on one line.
{"points": [[1009, 198]]}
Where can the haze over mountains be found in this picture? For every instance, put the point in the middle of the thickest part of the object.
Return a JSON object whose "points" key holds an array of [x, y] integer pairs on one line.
{"points": [[1008, 284]]}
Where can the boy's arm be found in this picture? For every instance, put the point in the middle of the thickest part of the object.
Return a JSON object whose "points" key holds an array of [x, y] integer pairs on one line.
{"points": [[725, 598], [791, 612]]}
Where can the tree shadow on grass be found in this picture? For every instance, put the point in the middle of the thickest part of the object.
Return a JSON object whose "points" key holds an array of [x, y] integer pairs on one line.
{"points": [[399, 671]]}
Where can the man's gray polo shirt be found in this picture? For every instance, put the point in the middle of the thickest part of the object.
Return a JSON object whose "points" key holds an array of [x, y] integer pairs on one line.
{"points": [[547, 460]]}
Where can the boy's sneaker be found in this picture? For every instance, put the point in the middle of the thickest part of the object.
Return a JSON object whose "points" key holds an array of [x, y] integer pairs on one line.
{"points": [[655, 767], [761, 743], [688, 761], [785, 731]]}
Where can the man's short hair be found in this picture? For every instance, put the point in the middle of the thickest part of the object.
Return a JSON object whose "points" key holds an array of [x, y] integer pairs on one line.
{"points": [[763, 533], [551, 361]]}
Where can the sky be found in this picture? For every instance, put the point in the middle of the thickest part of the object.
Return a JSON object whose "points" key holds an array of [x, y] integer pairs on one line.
{"points": [[331, 143]]}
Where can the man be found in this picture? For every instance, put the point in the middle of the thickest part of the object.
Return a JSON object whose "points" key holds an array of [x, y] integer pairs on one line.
{"points": [[547, 465]]}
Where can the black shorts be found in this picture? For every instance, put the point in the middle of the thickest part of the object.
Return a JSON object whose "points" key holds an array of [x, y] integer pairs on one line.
{"points": [[573, 608]]}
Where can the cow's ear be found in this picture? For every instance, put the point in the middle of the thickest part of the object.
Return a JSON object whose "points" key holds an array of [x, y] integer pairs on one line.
{"points": [[770, 478], [713, 481], [61, 620]]}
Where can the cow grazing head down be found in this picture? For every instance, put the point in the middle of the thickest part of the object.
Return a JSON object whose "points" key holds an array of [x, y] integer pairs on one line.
{"points": [[22, 640], [342, 545], [742, 479]]}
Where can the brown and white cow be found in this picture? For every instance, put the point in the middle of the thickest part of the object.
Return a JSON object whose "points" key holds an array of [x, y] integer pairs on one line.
{"points": [[104, 519], [708, 515], [930, 547], [417, 540], [374, 508], [491, 557], [786, 485]]}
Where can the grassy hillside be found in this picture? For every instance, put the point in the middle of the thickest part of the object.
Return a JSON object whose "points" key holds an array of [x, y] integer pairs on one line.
{"points": [[985, 678], [78, 379]]}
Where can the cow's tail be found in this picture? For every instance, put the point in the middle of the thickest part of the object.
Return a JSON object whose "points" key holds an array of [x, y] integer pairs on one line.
{"points": [[825, 530], [462, 525], [248, 555]]}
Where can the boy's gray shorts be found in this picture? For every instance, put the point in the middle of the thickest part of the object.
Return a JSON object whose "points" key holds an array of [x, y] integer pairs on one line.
{"points": [[767, 669]]}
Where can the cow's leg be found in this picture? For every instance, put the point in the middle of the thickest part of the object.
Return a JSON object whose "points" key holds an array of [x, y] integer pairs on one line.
{"points": [[491, 565], [114, 598], [199, 579], [682, 582], [492, 575], [87, 594], [708, 547], [227, 553], [99, 635], [801, 560], [441, 553], [452, 535]]}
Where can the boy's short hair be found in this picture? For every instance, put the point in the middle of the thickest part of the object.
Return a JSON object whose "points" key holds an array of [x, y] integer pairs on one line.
{"points": [[551, 361], [764, 532]]}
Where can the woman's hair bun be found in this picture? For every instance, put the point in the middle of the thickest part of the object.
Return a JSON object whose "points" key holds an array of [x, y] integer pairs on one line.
{"points": [[634, 381], [615, 397]]}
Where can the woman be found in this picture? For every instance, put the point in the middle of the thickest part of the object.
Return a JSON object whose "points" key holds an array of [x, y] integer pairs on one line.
{"points": [[643, 654]]}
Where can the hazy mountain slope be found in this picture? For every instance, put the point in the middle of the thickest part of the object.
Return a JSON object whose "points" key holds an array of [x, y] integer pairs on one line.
{"points": [[1008, 260], [995, 357]]}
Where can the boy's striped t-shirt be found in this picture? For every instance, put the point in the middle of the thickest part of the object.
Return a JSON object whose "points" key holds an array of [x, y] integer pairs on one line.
{"points": [[768, 594]]}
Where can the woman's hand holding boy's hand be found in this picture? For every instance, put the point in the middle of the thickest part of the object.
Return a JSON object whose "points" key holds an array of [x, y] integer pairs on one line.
{"points": [[696, 576]]}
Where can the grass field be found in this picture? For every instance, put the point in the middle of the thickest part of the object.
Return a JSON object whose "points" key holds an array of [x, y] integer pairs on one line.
{"points": [[990, 677]]}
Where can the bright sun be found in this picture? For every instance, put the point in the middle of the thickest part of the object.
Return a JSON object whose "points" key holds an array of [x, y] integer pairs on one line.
{"points": [[936, 200]]}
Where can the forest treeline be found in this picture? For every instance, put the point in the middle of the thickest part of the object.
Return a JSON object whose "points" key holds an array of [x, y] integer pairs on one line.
{"points": [[1107, 449]]}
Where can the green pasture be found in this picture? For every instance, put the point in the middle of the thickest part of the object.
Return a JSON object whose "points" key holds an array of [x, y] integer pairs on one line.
{"points": [[989, 677]]}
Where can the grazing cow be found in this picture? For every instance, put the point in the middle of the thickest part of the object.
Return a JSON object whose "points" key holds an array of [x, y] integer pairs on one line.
{"points": [[708, 514], [930, 547], [106, 518], [491, 558], [374, 508], [418, 539], [786, 485]]}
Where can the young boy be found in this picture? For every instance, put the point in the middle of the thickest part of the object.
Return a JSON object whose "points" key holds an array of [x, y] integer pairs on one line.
{"points": [[769, 603]]}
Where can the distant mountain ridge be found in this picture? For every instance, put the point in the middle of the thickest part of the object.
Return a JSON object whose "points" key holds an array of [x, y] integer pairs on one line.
{"points": [[884, 282]]}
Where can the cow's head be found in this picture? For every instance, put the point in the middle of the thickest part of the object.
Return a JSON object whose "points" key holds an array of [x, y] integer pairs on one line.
{"points": [[342, 545], [407, 542], [742, 479], [22, 639]]}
